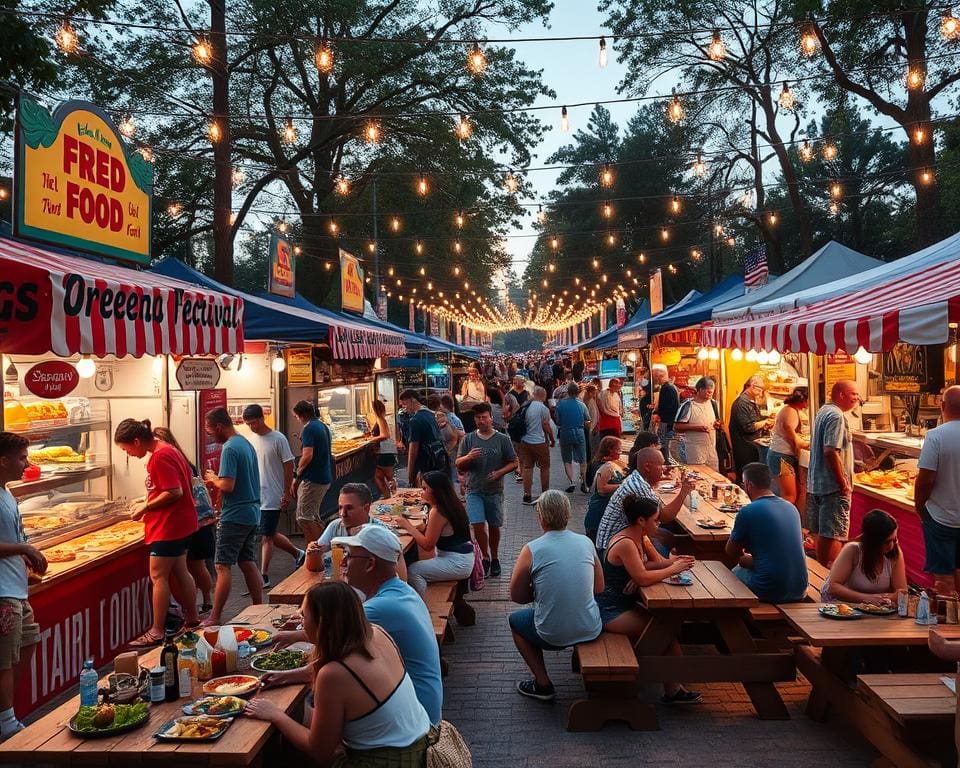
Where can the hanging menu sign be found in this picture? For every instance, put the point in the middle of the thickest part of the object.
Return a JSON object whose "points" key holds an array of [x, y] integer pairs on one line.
{"points": [[299, 365], [911, 370], [838, 367]]}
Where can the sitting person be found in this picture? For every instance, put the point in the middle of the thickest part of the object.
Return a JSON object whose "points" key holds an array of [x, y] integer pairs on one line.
{"points": [[447, 535], [632, 561], [870, 569], [608, 476], [768, 541], [641, 441], [364, 698], [559, 573]]}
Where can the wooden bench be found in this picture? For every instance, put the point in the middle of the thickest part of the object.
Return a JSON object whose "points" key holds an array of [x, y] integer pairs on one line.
{"points": [[445, 600], [611, 676]]}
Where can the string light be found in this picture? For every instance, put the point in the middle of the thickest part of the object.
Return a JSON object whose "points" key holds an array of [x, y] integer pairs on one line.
{"points": [[390, 271], [237, 177], [457, 247], [510, 182], [282, 227], [596, 263], [916, 77], [919, 135], [554, 242], [214, 133], [696, 254], [174, 210], [127, 127], [551, 267], [202, 51], [772, 218], [805, 151], [926, 176], [699, 167], [672, 268], [834, 208], [342, 185], [66, 38], [464, 128], [717, 50], [460, 220], [718, 229], [642, 258], [4, 194], [607, 211], [949, 26], [146, 153], [541, 215], [371, 132], [809, 43], [786, 98], [664, 234], [334, 228], [830, 151], [675, 205], [395, 224], [372, 246], [602, 56], [606, 176], [675, 109], [418, 247], [323, 58], [836, 190], [476, 60], [289, 132], [422, 187], [327, 266], [564, 120]]}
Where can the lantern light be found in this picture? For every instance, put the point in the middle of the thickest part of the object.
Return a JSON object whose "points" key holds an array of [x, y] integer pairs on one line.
{"points": [[805, 151], [809, 43], [717, 50], [342, 185], [371, 132], [751, 356], [736, 355], [916, 77], [278, 364], [607, 210], [950, 26], [863, 357], [476, 60], [323, 58], [606, 176], [675, 110], [395, 223], [786, 98], [86, 367], [289, 132], [127, 127], [202, 51], [422, 186], [703, 353], [675, 205], [919, 135], [66, 38], [464, 128], [564, 120], [830, 151], [214, 133]]}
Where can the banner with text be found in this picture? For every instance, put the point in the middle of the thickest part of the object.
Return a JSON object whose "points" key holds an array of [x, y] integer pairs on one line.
{"points": [[351, 283], [283, 268]]}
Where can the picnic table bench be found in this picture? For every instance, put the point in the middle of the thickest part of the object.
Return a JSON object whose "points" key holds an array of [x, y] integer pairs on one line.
{"points": [[48, 741], [611, 675]]}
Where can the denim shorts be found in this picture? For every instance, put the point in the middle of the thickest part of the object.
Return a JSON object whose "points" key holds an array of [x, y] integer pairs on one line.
{"points": [[828, 515], [485, 508], [782, 464], [521, 622], [573, 448], [236, 543], [170, 548], [943, 548]]}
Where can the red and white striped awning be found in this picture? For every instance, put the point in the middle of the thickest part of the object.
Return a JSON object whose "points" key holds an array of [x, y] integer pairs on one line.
{"points": [[915, 308], [70, 305], [363, 342]]}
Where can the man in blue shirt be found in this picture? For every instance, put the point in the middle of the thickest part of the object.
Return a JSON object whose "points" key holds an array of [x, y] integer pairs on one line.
{"points": [[768, 541], [572, 419], [239, 484], [424, 436], [314, 472]]}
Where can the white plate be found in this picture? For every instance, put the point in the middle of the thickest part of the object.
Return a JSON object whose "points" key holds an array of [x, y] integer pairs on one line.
{"points": [[667, 487]]}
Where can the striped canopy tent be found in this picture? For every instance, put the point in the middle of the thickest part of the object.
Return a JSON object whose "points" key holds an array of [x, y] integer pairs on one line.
{"points": [[914, 306]]}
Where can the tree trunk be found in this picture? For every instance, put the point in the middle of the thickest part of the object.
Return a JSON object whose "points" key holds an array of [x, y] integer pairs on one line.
{"points": [[223, 171], [799, 205]]}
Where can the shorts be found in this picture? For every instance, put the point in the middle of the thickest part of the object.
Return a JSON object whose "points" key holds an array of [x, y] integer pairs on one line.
{"points": [[386, 459], [236, 543], [573, 448], [828, 515], [782, 464], [485, 508], [309, 498], [202, 545], [943, 548], [269, 522], [18, 630], [531, 455], [170, 547], [522, 623]]}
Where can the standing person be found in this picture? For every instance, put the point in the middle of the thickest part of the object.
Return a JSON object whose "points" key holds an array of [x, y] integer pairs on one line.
{"points": [[473, 390], [314, 471], [830, 475], [610, 405], [783, 458], [239, 486], [573, 420], [577, 370], [515, 398], [593, 412], [169, 520], [937, 495], [424, 437], [610, 474], [386, 450], [496, 410], [275, 464], [767, 542], [665, 406], [449, 433], [535, 444], [21, 633], [698, 420], [560, 574], [486, 456], [545, 374], [746, 423]]}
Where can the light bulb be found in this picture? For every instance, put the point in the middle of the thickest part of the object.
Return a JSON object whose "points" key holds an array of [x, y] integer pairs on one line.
{"points": [[157, 366], [836, 190], [926, 176], [596, 263], [763, 357], [422, 186], [510, 182], [395, 224], [675, 205], [786, 98], [86, 367], [675, 109], [606, 176], [611, 239], [237, 177], [66, 38], [174, 210], [342, 185], [751, 356], [805, 151], [323, 58], [564, 120], [554, 243], [476, 60], [714, 354], [541, 215], [919, 135], [202, 51], [916, 77], [127, 127], [607, 211], [460, 220], [699, 167], [278, 364], [736, 354], [774, 357], [289, 132], [863, 357], [419, 249], [664, 234], [703, 353], [830, 151], [949, 26], [717, 50], [371, 132], [772, 218], [464, 128], [602, 55], [334, 228], [214, 133], [809, 44]]}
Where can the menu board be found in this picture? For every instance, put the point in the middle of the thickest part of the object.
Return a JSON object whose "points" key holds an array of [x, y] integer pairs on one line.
{"points": [[299, 365], [838, 367], [912, 370]]}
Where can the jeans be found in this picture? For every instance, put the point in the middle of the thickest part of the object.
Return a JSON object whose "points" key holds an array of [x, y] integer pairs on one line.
{"points": [[446, 566]]}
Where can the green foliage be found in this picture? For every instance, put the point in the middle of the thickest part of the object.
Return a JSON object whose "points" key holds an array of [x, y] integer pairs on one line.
{"points": [[39, 130]]}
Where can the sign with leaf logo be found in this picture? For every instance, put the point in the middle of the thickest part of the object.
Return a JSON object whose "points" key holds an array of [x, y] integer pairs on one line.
{"points": [[78, 184]]}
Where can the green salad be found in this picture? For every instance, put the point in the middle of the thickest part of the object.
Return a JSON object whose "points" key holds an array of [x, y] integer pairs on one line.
{"points": [[123, 714], [277, 661]]}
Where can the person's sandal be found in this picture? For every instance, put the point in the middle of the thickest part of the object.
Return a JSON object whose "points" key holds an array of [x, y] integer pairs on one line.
{"points": [[530, 689], [682, 697], [146, 640]]}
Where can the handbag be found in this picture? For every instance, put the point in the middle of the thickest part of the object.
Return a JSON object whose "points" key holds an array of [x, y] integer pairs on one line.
{"points": [[448, 749], [477, 576]]}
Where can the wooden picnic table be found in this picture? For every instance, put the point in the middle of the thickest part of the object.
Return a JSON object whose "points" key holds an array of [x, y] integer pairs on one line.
{"points": [[721, 599], [48, 741]]}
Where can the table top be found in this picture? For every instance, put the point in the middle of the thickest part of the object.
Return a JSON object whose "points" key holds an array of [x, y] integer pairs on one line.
{"points": [[707, 507], [49, 740], [714, 586], [865, 631], [908, 697]]}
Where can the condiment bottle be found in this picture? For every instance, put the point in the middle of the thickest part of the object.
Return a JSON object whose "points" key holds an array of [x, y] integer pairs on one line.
{"points": [[218, 661], [168, 657], [227, 640], [243, 656], [157, 692], [204, 661]]}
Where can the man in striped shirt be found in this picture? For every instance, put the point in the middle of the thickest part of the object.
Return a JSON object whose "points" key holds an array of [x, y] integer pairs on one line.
{"points": [[650, 471]]}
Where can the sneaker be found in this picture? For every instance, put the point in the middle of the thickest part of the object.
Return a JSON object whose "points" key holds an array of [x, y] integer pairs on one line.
{"points": [[518, 479], [532, 690], [486, 568], [583, 488], [528, 501], [571, 488], [266, 579], [682, 697], [301, 557], [494, 569]]}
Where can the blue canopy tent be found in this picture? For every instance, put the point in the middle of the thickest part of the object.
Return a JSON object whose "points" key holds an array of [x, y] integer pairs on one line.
{"points": [[698, 310], [634, 333], [608, 339]]}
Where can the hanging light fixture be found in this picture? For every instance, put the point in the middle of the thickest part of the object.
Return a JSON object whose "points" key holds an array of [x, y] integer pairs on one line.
{"points": [[476, 60], [214, 133], [786, 98], [836, 190], [805, 151], [596, 263], [564, 120], [464, 128], [916, 77], [606, 176], [86, 367], [460, 220], [418, 247], [127, 127], [772, 218], [664, 234], [809, 43], [751, 356], [675, 205], [602, 55], [717, 50], [422, 186], [607, 210], [919, 134], [66, 38], [289, 132], [395, 223], [675, 109], [611, 239], [342, 185], [541, 215], [699, 167], [830, 151], [862, 356], [371, 132], [554, 242], [736, 354], [510, 182], [457, 247], [202, 51], [334, 228], [278, 364], [323, 58], [949, 26]]}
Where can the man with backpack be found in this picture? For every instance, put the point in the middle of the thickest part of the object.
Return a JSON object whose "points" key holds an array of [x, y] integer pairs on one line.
{"points": [[425, 448], [532, 430]]}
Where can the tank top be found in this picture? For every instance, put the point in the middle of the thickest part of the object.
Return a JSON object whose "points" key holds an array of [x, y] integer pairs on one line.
{"points": [[458, 543], [397, 721], [387, 446], [778, 442], [860, 582], [615, 580]]}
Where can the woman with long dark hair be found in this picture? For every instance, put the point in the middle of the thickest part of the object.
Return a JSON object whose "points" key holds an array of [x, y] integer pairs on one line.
{"points": [[363, 697], [386, 449], [870, 569], [608, 476], [447, 535]]}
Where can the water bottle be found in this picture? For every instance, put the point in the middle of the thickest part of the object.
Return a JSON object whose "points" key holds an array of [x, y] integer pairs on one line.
{"points": [[88, 685], [243, 656]]}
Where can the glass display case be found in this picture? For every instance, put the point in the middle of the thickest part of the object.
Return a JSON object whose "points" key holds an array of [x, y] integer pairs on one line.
{"points": [[346, 409]]}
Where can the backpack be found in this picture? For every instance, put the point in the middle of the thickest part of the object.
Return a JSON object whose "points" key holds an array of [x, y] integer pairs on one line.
{"points": [[517, 427]]}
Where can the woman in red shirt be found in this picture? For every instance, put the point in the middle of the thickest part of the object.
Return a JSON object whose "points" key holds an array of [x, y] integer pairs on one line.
{"points": [[169, 519]]}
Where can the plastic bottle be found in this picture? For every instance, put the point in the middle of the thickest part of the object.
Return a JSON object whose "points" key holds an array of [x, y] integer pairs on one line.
{"points": [[189, 670], [88, 685], [923, 610], [243, 656], [693, 501], [227, 640]]}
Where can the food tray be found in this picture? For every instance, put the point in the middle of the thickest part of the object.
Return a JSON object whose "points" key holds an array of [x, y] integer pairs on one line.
{"points": [[830, 612], [198, 707], [104, 732], [680, 580], [162, 735], [256, 661]]}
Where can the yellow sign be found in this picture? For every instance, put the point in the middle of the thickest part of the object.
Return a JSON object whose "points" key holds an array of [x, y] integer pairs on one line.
{"points": [[299, 365], [77, 183], [351, 283], [838, 367]]}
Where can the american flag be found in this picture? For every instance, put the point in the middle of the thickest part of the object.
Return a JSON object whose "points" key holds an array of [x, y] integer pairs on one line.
{"points": [[755, 267]]}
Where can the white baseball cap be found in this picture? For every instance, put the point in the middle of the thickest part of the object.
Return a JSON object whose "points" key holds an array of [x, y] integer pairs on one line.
{"points": [[378, 540]]}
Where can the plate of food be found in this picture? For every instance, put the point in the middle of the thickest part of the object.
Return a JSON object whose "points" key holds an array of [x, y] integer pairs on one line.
{"points": [[281, 661], [840, 611], [200, 728], [108, 719], [706, 522], [257, 637], [680, 580], [876, 610], [667, 487], [215, 706], [231, 685], [729, 508]]}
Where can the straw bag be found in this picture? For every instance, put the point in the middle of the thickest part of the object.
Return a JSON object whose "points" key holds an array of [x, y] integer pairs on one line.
{"points": [[449, 750]]}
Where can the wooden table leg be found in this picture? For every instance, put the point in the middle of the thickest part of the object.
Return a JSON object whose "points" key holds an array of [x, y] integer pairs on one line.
{"points": [[832, 659], [765, 697]]}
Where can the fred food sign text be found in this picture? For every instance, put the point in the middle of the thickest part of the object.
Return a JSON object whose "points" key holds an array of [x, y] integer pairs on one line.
{"points": [[78, 185]]}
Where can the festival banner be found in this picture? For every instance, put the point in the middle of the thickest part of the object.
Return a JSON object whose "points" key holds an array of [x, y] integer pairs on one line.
{"points": [[283, 268], [413, 317], [621, 312], [351, 283], [78, 185], [656, 292]]}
